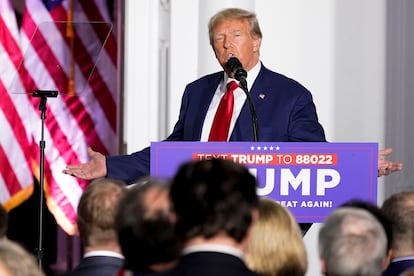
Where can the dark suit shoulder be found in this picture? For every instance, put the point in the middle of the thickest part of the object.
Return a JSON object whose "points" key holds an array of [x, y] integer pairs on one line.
{"points": [[398, 267], [207, 80], [97, 265], [273, 80], [210, 263]]}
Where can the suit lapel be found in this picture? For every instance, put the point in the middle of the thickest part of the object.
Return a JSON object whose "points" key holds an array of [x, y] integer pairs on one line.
{"points": [[206, 95], [244, 121]]}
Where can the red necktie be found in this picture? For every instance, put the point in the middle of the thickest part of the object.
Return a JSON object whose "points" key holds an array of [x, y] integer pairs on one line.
{"points": [[221, 123]]}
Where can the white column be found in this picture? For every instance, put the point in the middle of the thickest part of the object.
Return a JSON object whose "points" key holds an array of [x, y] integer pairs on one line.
{"points": [[141, 77]]}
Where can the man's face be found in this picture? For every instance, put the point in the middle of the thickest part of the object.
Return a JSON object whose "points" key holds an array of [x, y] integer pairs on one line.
{"points": [[232, 38]]}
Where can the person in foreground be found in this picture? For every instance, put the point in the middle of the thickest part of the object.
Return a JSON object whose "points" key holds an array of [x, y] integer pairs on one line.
{"points": [[95, 222], [376, 211], [352, 242], [16, 261], [399, 209], [276, 247], [145, 232], [285, 109], [215, 207]]}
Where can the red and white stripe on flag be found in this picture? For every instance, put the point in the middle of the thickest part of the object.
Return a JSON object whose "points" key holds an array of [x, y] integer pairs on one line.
{"points": [[84, 114], [16, 179]]}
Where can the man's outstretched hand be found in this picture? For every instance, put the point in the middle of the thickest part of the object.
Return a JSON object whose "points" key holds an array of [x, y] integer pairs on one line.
{"points": [[385, 167], [95, 168]]}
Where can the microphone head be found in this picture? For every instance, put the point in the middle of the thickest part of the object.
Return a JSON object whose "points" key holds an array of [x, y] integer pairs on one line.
{"points": [[233, 63], [235, 66]]}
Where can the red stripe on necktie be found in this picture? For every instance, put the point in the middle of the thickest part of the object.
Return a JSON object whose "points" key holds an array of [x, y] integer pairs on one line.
{"points": [[221, 123]]}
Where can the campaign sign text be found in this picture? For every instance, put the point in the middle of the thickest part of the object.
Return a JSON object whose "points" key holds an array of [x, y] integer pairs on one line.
{"points": [[310, 178]]}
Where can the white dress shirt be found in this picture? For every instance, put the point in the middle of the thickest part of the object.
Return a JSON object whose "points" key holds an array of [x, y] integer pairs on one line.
{"points": [[239, 99]]}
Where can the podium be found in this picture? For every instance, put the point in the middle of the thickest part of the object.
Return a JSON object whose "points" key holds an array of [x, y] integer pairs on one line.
{"points": [[309, 178]]}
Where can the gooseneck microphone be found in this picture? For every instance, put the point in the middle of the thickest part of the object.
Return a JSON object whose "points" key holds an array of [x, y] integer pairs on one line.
{"points": [[235, 66]]}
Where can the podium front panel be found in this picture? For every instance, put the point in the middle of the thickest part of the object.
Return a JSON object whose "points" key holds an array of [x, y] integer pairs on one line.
{"points": [[310, 178]]}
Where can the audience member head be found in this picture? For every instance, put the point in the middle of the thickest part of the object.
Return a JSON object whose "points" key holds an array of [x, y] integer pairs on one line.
{"points": [[214, 198], [399, 209], [145, 232], [16, 261], [4, 221], [276, 247], [377, 213], [352, 242], [96, 214]]}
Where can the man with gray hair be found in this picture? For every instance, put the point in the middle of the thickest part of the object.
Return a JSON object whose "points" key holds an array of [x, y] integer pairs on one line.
{"points": [[352, 242], [145, 232], [399, 209]]}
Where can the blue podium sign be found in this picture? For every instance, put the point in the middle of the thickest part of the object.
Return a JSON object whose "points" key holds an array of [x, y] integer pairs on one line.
{"points": [[310, 178]]}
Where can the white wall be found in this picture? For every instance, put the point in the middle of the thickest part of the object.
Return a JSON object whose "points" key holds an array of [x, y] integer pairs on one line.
{"points": [[400, 96], [141, 73], [360, 70], [298, 41]]}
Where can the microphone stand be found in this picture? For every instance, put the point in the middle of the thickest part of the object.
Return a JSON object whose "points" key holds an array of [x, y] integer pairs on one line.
{"points": [[43, 95], [243, 86]]}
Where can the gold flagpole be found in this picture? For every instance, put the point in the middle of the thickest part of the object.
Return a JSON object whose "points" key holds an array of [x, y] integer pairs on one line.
{"points": [[71, 35]]}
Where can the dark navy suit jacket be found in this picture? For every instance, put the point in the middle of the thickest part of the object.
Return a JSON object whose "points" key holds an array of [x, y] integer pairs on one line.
{"points": [[209, 263], [97, 266], [397, 267], [285, 113]]}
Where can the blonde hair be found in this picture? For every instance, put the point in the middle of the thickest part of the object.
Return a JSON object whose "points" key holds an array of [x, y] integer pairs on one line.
{"points": [[16, 261], [276, 246]]}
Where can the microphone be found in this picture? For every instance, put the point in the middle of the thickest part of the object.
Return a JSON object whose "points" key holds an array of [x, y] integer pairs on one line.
{"points": [[235, 66]]}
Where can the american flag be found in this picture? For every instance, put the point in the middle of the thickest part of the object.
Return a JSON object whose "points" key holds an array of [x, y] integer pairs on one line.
{"points": [[16, 180], [62, 41]]}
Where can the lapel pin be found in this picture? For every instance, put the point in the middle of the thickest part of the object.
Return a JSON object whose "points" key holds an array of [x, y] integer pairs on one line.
{"points": [[262, 96]]}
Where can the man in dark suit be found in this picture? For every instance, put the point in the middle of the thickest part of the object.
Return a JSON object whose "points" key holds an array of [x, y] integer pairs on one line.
{"points": [[352, 242], [95, 222], [214, 204], [145, 232], [285, 109], [399, 209]]}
